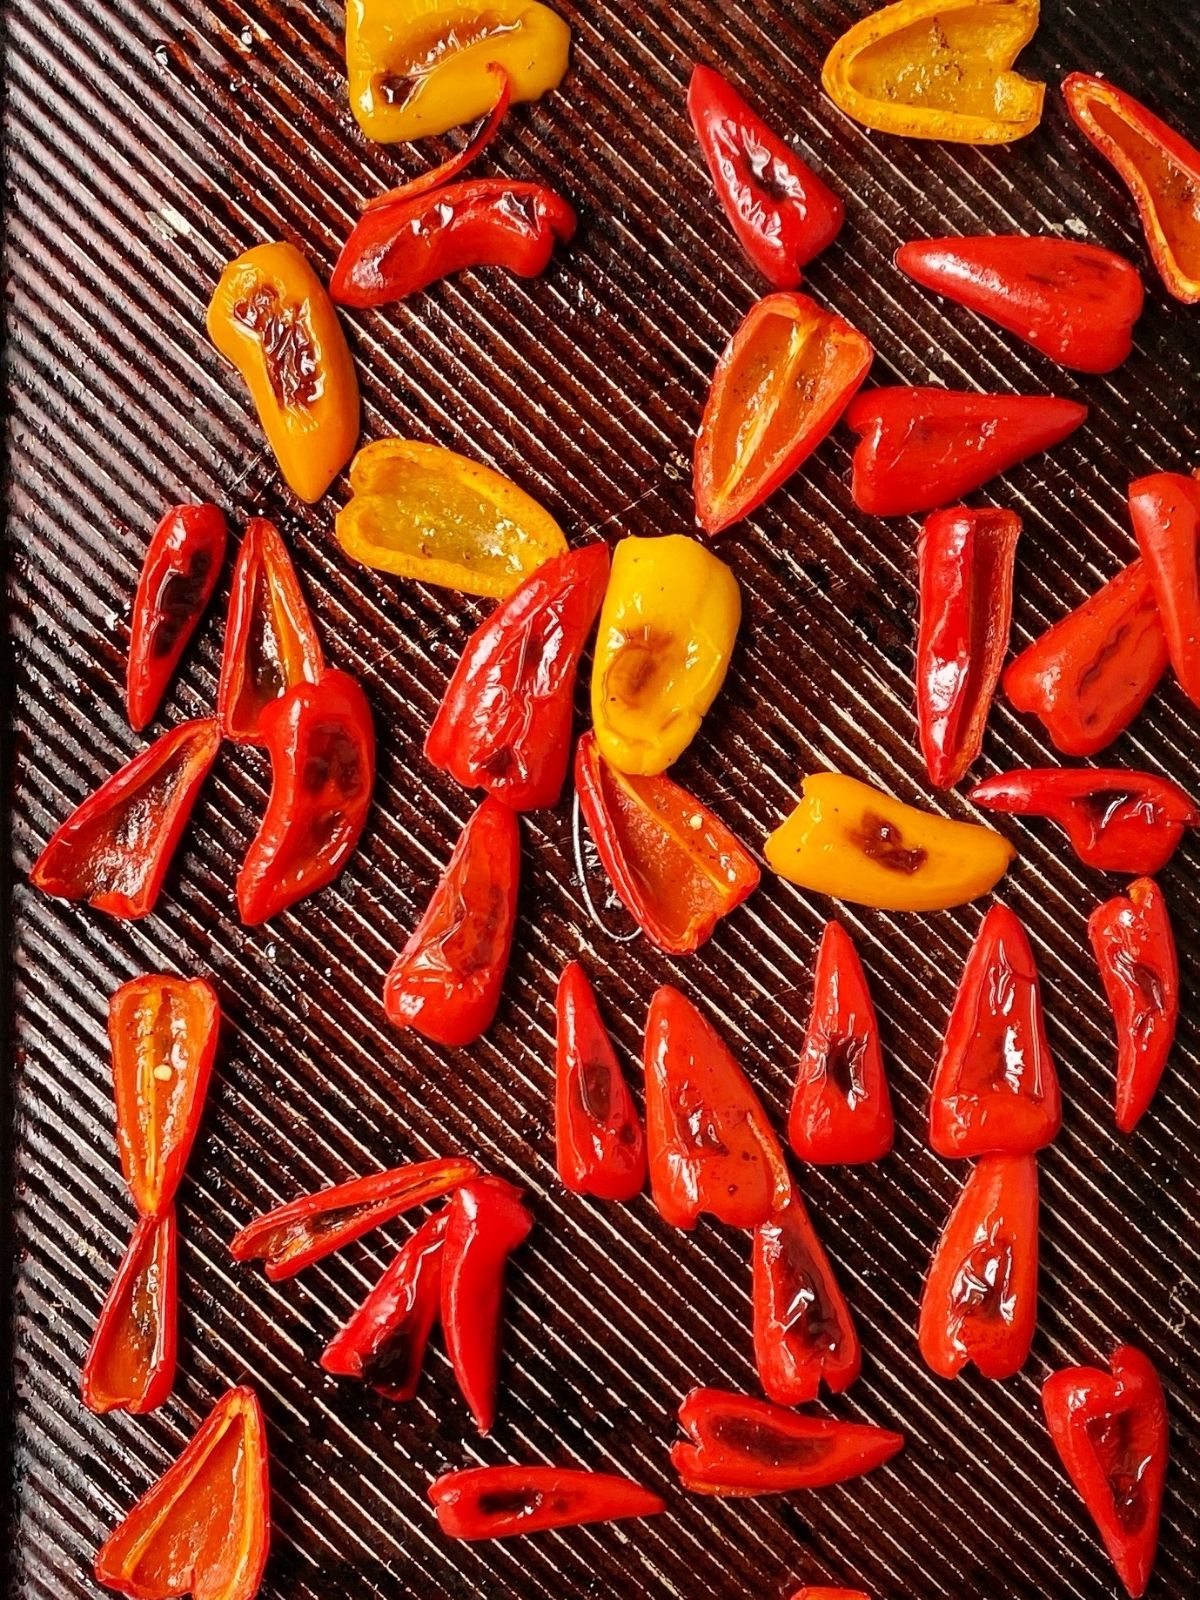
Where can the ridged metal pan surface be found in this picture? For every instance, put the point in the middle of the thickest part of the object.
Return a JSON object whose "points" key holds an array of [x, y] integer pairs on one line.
{"points": [[148, 142]]}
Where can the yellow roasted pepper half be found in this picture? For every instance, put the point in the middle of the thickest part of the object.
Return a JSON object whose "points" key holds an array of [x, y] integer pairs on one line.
{"points": [[667, 626], [851, 841], [419, 67], [939, 69], [423, 512]]}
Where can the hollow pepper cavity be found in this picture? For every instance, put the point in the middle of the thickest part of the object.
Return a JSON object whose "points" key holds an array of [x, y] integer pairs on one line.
{"points": [[180, 571]]}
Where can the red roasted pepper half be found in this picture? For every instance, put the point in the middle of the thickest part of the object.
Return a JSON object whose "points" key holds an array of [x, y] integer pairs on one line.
{"points": [[1116, 820], [501, 1502], [712, 1148], [130, 1364], [321, 741], [599, 1144], [114, 850], [822, 1592], [1089, 675], [1135, 950], [995, 1088], [204, 1528], [841, 1110], [980, 1299], [742, 1446], [293, 1236], [1076, 303], [487, 1221], [163, 1033], [780, 210], [803, 1332], [504, 723], [965, 564], [923, 448], [676, 868], [384, 1342], [1165, 508], [182, 565], [446, 982], [1110, 1429]]}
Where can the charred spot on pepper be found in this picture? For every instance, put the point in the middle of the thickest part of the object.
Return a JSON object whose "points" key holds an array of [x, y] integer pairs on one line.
{"points": [[290, 353], [593, 1087], [333, 760], [640, 658], [843, 1064], [882, 841], [764, 1444], [177, 602], [510, 1502]]}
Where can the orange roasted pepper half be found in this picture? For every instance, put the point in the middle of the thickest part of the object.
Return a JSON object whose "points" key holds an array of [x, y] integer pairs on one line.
{"points": [[939, 69], [849, 840], [270, 316]]}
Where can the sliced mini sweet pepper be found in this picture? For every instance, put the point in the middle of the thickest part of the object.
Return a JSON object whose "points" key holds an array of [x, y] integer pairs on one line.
{"points": [[114, 849], [803, 1332], [850, 840], [501, 1502], [980, 1299], [1160, 167], [1088, 676], [676, 868], [1116, 820], [841, 1110], [321, 741], [965, 564], [599, 1145], [939, 69], [130, 1363], [1075, 302], [781, 384], [271, 642], [923, 448], [180, 571], [446, 982], [504, 723], [384, 1342], [1165, 510], [822, 1592], [420, 69], [742, 1446], [780, 210], [995, 1088], [305, 1230], [204, 1527], [422, 512], [271, 317], [163, 1033], [667, 629], [1110, 1429], [712, 1148], [487, 1221], [1135, 950]]}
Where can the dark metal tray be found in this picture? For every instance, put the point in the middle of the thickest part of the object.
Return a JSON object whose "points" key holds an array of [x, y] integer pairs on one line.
{"points": [[146, 143]]}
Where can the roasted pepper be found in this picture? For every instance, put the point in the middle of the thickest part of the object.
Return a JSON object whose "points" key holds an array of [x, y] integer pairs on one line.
{"points": [[420, 67], [1135, 950], [1089, 675], [1110, 1429], [922, 448], [271, 317], [782, 382], [822, 1592], [980, 1299], [419, 511], [851, 841], [1116, 820], [1076, 303], [446, 982], [667, 629], [780, 210], [204, 1527], [1160, 167], [995, 1089], [599, 1145], [1165, 509], [504, 723], [500, 1502], [675, 867], [939, 69], [114, 849], [965, 581], [130, 1364], [183, 562]]}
